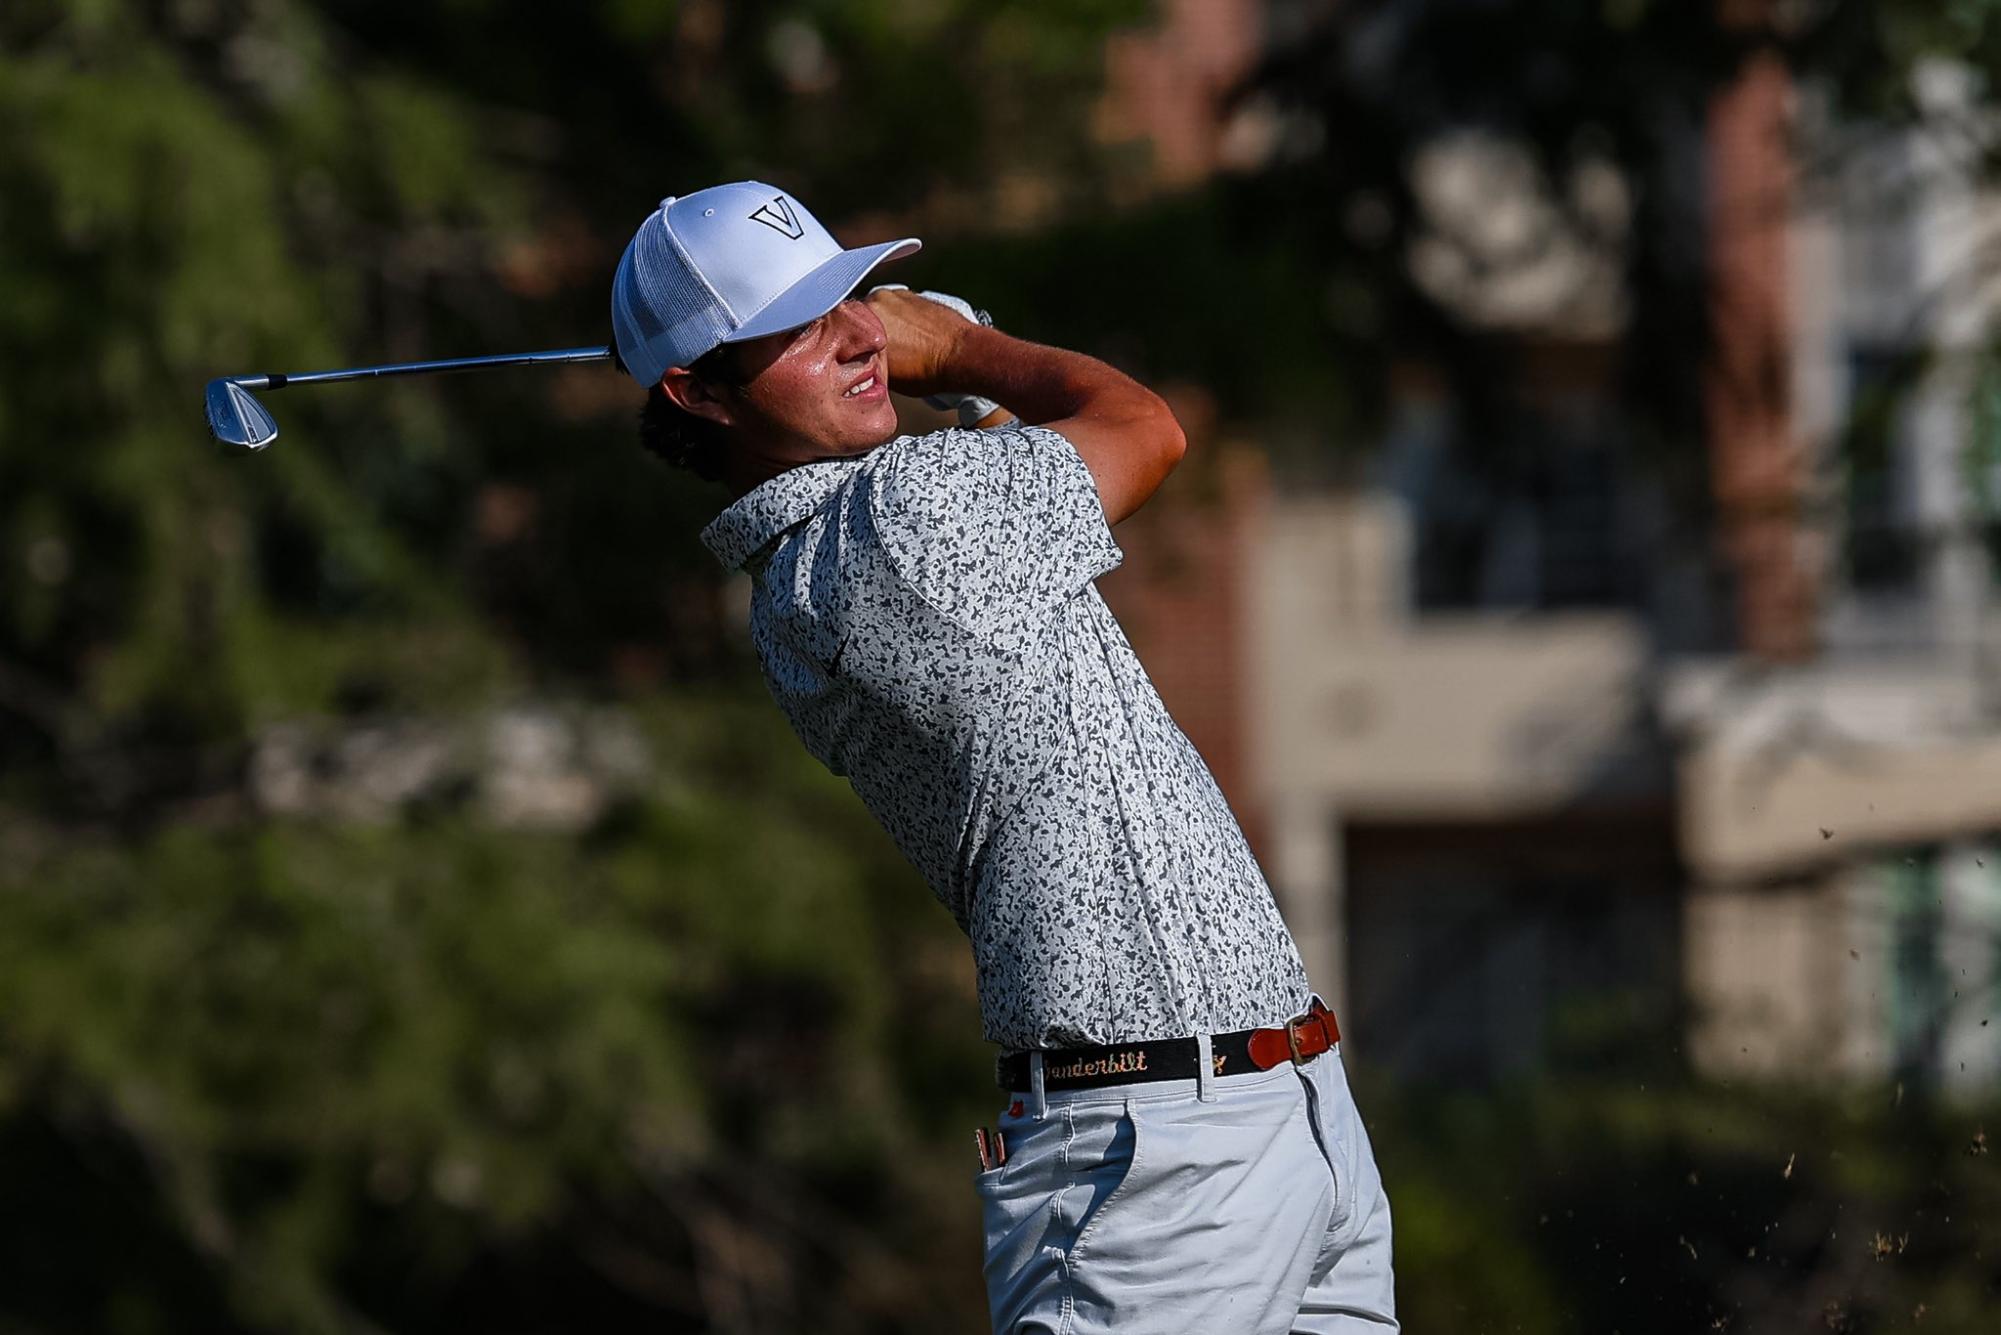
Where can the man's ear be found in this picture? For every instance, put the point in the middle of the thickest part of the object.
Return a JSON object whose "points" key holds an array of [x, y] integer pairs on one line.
{"points": [[692, 394]]}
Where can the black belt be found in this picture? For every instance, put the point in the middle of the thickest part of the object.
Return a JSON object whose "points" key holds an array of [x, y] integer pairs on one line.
{"points": [[1302, 1038]]}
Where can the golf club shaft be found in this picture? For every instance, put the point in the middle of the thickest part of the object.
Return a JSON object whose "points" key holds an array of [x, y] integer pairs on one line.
{"points": [[446, 367]]}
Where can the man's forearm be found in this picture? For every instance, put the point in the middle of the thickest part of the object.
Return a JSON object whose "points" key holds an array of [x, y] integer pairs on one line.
{"points": [[1038, 383]]}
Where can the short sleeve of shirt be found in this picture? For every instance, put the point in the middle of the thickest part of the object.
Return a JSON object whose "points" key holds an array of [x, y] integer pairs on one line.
{"points": [[991, 527]]}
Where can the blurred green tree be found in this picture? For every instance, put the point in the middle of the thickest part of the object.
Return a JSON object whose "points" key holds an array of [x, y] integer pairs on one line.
{"points": [[1443, 163], [700, 1061]]}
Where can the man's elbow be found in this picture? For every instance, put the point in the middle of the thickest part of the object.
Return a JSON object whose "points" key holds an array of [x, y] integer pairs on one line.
{"points": [[1164, 433]]}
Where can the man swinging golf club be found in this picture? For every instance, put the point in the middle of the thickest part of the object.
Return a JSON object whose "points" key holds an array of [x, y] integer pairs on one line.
{"points": [[1181, 1153]]}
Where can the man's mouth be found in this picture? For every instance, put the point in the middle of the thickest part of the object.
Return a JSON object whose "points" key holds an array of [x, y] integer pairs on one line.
{"points": [[870, 385]]}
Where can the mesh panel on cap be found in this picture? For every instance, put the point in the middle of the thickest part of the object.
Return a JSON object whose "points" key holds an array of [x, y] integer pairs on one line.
{"points": [[663, 315]]}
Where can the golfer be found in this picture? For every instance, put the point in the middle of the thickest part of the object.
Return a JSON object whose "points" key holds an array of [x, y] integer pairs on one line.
{"points": [[1180, 1153]]}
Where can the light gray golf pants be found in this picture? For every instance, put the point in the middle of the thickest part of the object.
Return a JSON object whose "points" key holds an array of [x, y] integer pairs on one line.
{"points": [[1145, 1209]]}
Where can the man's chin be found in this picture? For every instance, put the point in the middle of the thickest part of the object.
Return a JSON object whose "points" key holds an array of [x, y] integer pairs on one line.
{"points": [[863, 442]]}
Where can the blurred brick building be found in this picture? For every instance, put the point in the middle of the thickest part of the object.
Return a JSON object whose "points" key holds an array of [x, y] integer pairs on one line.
{"points": [[1541, 782]]}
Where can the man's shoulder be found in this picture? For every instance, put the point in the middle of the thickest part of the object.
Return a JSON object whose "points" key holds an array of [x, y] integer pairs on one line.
{"points": [[910, 468], [917, 485], [940, 467]]}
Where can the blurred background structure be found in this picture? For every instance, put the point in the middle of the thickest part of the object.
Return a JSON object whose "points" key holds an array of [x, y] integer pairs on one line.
{"points": [[1583, 582]]}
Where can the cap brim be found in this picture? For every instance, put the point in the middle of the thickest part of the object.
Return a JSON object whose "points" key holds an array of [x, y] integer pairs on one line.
{"points": [[822, 290]]}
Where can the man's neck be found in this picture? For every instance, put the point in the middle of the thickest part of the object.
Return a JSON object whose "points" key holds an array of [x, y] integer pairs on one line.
{"points": [[746, 466], [744, 470]]}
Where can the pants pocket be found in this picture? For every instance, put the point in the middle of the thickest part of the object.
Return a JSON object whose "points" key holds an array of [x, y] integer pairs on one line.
{"points": [[1108, 1175], [1064, 1177]]}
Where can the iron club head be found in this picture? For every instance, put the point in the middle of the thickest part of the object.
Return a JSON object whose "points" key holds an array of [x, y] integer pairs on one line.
{"points": [[236, 418]]}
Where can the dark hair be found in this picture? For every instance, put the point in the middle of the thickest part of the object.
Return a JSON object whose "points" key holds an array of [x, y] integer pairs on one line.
{"points": [[679, 437]]}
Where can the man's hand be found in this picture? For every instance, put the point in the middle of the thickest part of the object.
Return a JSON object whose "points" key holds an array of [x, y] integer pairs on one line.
{"points": [[972, 410], [923, 337]]}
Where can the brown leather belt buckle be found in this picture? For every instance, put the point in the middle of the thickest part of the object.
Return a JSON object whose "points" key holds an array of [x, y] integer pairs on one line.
{"points": [[1305, 1037], [1292, 1038], [1323, 1020]]}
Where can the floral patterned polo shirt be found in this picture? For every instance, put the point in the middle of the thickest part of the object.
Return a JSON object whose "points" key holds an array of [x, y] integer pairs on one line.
{"points": [[926, 617]]}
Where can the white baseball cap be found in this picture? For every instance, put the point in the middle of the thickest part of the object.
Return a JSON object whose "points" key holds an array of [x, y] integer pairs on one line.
{"points": [[726, 264]]}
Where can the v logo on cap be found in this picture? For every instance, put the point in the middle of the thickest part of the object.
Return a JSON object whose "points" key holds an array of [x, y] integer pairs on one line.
{"points": [[778, 216]]}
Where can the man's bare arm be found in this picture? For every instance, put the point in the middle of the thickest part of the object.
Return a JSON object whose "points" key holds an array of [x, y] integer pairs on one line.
{"points": [[1123, 431]]}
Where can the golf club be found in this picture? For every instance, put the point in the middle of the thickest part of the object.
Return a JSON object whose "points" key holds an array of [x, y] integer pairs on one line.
{"points": [[237, 419]]}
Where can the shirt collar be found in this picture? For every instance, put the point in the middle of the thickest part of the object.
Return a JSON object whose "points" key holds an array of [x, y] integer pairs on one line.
{"points": [[772, 506]]}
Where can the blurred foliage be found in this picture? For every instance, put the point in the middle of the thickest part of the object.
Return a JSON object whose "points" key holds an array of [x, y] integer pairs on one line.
{"points": [[705, 1061], [1360, 89], [1583, 1205], [430, 1075]]}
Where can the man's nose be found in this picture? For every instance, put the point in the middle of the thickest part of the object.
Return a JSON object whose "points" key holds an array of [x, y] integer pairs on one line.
{"points": [[860, 330]]}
